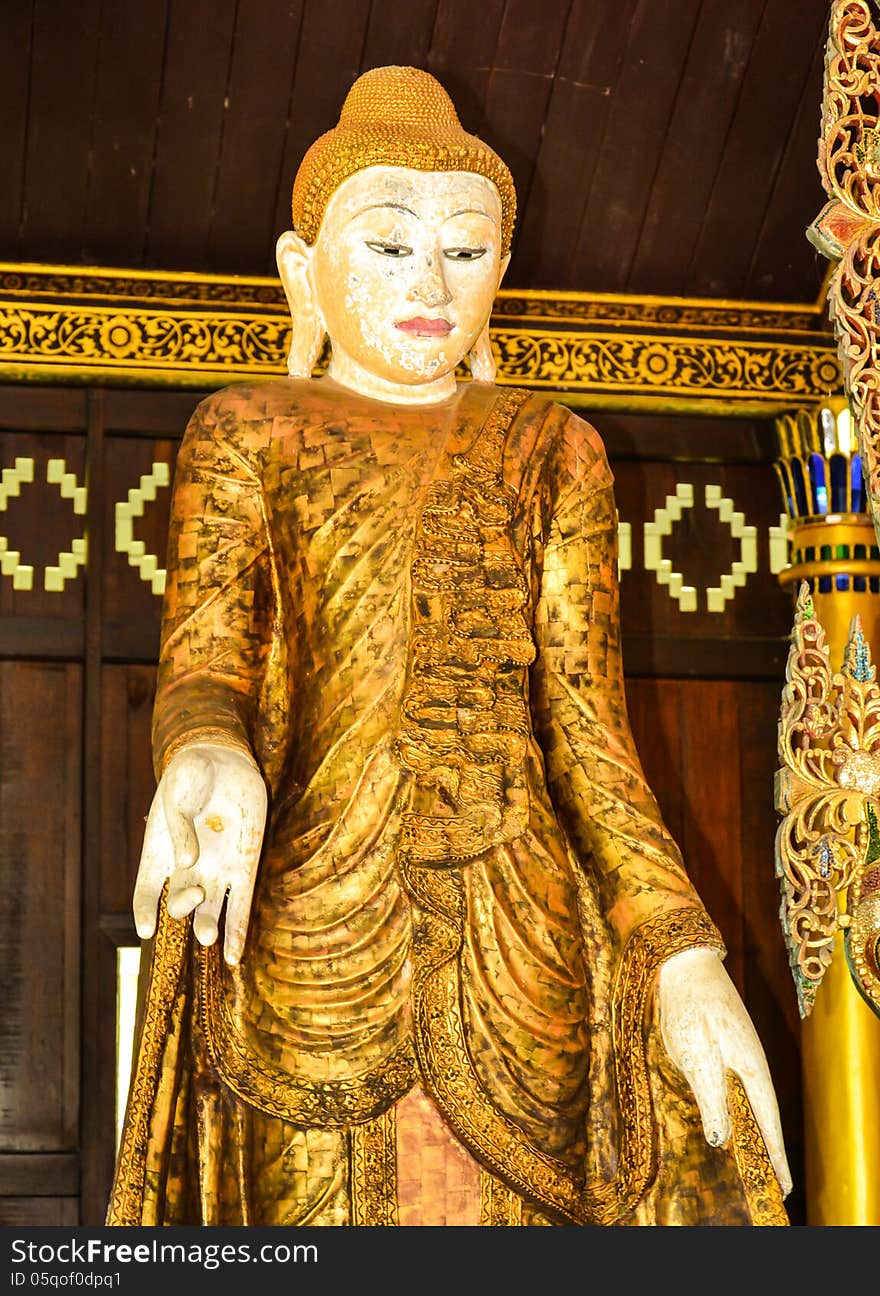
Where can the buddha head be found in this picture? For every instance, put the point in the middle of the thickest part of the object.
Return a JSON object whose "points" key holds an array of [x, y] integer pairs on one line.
{"points": [[402, 224]]}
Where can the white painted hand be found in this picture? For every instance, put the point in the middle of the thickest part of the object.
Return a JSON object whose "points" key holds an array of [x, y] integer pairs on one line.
{"points": [[707, 1032], [204, 833]]}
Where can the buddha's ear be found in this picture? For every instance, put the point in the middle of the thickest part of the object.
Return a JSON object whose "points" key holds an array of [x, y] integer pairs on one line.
{"points": [[294, 260], [481, 357]]}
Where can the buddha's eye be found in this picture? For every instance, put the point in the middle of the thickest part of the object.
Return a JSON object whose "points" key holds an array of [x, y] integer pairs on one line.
{"points": [[389, 249], [464, 253]]}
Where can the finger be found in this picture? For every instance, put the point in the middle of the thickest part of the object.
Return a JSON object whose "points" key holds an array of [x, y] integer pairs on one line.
{"points": [[184, 893], [156, 862], [189, 780], [762, 1100], [241, 890], [206, 922], [186, 788], [708, 1080], [184, 838], [238, 909]]}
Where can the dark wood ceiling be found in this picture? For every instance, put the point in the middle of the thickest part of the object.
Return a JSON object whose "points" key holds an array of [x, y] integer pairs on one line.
{"points": [[658, 146]]}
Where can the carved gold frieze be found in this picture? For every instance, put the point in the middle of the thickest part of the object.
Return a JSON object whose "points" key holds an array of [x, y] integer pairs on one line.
{"points": [[668, 369], [102, 338], [101, 325]]}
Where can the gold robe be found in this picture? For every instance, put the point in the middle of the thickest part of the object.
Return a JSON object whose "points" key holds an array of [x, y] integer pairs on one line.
{"points": [[409, 616]]}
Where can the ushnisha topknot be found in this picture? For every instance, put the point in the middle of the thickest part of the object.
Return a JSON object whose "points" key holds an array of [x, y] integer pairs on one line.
{"points": [[394, 116]]}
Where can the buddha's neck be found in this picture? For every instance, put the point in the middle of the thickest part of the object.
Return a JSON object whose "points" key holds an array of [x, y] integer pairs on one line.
{"points": [[347, 372]]}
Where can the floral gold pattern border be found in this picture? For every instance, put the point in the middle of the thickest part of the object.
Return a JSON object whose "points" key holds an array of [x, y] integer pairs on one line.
{"points": [[374, 1172], [101, 325], [132, 1199], [764, 1199]]}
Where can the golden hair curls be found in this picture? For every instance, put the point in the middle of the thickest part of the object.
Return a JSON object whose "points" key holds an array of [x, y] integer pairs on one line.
{"points": [[395, 116]]}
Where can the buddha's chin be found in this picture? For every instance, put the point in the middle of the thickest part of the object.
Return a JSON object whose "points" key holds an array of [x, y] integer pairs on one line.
{"points": [[416, 371], [381, 369], [412, 382]]}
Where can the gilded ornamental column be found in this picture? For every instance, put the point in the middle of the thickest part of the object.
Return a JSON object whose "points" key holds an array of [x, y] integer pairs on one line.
{"points": [[830, 720], [823, 841]]}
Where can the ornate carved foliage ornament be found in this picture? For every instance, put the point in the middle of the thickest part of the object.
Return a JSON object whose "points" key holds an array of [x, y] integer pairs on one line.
{"points": [[828, 789], [828, 844], [847, 230]]}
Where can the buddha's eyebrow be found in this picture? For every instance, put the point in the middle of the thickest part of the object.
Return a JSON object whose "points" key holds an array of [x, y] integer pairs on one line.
{"points": [[473, 211], [393, 206]]}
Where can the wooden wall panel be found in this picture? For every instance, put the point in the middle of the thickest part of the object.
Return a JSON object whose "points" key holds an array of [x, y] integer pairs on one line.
{"points": [[38, 1212], [462, 53], [131, 607], [579, 114], [15, 74], [40, 523], [702, 548], [712, 843], [58, 128], [127, 783], [327, 62], [659, 39], [665, 146], [778, 76], [39, 1174], [195, 76], [125, 124], [160, 414], [708, 750], [683, 727], [266, 37], [530, 42], [40, 824], [698, 127], [777, 255], [399, 32], [42, 409]]}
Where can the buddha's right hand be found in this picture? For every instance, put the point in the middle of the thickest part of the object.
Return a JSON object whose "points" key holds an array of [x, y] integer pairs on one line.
{"points": [[203, 836]]}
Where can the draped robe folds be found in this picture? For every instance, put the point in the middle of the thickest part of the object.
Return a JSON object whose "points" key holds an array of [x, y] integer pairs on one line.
{"points": [[409, 617]]}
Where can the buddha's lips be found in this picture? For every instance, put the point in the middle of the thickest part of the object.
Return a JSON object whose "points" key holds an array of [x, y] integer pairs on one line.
{"points": [[425, 327]]}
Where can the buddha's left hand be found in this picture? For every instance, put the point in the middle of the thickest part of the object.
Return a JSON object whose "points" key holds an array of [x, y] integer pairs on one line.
{"points": [[707, 1032]]}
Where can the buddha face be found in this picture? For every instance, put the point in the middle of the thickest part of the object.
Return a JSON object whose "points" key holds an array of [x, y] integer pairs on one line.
{"points": [[405, 270]]}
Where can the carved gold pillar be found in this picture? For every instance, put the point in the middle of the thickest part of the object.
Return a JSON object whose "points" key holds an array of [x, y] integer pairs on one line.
{"points": [[834, 554]]}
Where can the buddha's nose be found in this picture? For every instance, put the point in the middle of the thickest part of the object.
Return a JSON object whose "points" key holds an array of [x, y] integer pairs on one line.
{"points": [[430, 287]]}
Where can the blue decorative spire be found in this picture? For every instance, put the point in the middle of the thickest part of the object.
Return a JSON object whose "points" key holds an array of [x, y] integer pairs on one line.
{"points": [[857, 658]]}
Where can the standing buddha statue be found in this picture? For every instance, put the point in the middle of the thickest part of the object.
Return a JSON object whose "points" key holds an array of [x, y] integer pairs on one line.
{"points": [[464, 978]]}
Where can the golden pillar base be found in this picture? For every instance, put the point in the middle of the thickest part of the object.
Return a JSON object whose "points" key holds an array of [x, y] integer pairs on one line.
{"points": [[840, 1049]]}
